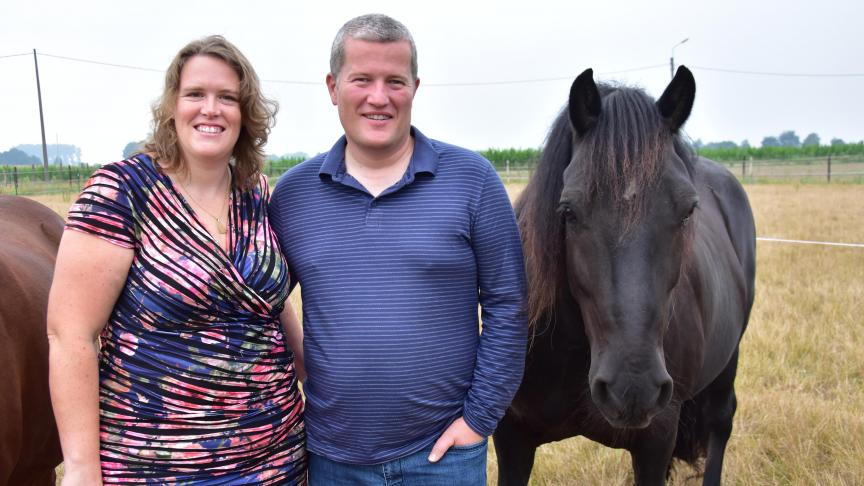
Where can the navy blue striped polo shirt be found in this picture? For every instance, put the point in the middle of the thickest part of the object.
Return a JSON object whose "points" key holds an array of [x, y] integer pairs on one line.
{"points": [[391, 287]]}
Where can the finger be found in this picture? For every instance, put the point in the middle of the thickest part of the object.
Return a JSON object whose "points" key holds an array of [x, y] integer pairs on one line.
{"points": [[440, 448]]}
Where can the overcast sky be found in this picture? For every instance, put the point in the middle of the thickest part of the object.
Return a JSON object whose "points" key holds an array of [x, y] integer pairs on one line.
{"points": [[493, 73]]}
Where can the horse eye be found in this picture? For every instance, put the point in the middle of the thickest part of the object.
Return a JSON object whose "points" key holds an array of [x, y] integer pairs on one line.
{"points": [[686, 219], [566, 211]]}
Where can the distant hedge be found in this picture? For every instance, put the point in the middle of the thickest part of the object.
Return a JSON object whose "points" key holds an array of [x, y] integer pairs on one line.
{"points": [[781, 153], [518, 158]]}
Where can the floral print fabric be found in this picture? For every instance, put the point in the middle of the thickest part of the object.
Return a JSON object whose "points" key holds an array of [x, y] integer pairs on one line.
{"points": [[196, 383]]}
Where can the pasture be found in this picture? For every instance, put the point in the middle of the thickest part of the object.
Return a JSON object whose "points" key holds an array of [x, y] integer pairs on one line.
{"points": [[800, 418]]}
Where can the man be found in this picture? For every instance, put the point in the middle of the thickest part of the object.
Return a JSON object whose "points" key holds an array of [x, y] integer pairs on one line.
{"points": [[395, 239]]}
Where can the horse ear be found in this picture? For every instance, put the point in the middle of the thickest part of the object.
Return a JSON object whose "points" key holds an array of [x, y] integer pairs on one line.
{"points": [[584, 106], [677, 100]]}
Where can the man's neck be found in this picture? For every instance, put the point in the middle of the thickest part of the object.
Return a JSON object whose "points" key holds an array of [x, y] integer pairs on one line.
{"points": [[378, 171]]}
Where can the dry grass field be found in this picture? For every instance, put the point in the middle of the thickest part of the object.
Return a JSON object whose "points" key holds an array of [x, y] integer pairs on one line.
{"points": [[800, 418]]}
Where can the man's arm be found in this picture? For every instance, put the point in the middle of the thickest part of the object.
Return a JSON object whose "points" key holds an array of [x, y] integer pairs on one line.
{"points": [[501, 352]]}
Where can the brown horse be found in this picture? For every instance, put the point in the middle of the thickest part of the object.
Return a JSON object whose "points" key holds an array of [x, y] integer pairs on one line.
{"points": [[29, 446], [641, 262]]}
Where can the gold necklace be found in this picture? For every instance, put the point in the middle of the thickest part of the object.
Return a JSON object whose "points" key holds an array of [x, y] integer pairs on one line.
{"points": [[220, 226]]}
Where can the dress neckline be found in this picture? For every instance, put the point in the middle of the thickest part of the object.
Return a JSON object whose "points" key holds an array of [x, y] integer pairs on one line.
{"points": [[232, 236]]}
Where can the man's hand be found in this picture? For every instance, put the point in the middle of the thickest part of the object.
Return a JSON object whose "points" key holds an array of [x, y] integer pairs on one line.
{"points": [[458, 434]]}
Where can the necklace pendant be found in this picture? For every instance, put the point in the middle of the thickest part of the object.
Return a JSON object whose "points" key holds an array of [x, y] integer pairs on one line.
{"points": [[221, 227]]}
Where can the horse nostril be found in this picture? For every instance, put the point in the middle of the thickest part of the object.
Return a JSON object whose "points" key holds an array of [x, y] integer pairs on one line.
{"points": [[665, 395], [600, 391]]}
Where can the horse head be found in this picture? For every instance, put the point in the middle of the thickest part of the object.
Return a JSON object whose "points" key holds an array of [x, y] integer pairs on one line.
{"points": [[627, 205]]}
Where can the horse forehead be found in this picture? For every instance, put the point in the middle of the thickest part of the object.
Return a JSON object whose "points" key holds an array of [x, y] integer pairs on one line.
{"points": [[631, 189]]}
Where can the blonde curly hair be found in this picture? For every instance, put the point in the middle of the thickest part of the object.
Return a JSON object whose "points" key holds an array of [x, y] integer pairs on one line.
{"points": [[258, 113]]}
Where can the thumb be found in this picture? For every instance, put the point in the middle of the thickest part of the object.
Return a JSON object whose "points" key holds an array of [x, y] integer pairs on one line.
{"points": [[440, 448]]}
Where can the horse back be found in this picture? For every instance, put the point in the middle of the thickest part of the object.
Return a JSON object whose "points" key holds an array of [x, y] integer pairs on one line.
{"points": [[29, 446]]}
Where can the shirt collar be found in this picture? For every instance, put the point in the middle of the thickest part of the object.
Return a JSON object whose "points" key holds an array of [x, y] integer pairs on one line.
{"points": [[423, 160]]}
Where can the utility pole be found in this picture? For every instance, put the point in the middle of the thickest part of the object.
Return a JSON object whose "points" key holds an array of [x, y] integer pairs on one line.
{"points": [[672, 58], [41, 120]]}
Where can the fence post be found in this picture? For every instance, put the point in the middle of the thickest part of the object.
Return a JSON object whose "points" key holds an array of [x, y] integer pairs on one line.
{"points": [[743, 168], [15, 178], [507, 169], [69, 167], [829, 168]]}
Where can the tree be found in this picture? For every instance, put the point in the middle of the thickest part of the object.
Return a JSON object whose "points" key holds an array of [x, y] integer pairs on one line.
{"points": [[811, 139], [70, 154], [837, 141], [18, 157], [770, 142], [132, 148], [745, 144], [789, 139], [698, 143], [726, 144]]}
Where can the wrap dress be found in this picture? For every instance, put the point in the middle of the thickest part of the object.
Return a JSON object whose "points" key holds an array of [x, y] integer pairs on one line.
{"points": [[196, 383]]}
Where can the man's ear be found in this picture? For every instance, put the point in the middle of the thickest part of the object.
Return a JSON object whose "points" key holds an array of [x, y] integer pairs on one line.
{"points": [[331, 87]]}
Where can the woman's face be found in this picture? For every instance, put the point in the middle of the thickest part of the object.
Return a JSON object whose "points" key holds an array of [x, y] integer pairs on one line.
{"points": [[207, 115]]}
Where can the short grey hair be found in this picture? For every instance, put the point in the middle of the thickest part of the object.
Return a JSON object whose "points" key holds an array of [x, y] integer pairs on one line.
{"points": [[374, 28]]}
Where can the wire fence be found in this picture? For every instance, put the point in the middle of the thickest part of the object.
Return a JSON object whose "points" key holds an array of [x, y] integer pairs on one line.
{"points": [[69, 180]]}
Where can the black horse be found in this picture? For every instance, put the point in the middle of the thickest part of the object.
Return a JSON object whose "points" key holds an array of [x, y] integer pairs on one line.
{"points": [[641, 264]]}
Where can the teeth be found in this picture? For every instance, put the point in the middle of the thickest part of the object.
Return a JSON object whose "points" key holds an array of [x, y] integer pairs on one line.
{"points": [[378, 117], [208, 129]]}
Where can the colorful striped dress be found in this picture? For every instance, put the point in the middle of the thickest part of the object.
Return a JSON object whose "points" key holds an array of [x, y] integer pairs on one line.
{"points": [[196, 383]]}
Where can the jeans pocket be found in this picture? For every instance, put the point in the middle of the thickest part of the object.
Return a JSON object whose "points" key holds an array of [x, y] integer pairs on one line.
{"points": [[470, 447]]}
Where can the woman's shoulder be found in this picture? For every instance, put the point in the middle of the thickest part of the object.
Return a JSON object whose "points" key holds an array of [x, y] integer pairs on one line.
{"points": [[138, 163]]}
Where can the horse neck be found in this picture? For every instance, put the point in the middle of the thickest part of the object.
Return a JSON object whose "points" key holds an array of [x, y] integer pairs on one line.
{"points": [[563, 325]]}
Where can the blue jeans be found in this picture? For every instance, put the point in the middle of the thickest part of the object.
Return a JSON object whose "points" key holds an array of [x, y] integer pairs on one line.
{"points": [[460, 466]]}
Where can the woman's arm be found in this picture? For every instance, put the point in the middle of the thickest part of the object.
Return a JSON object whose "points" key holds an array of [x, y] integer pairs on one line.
{"points": [[88, 278], [294, 338]]}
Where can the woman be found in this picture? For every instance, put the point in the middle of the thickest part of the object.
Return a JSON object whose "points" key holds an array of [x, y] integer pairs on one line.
{"points": [[168, 257]]}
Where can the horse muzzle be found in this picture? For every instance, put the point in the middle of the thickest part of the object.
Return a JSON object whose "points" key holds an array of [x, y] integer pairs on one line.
{"points": [[631, 400]]}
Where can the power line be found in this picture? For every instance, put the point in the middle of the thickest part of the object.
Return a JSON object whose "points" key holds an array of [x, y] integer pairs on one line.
{"points": [[139, 68], [88, 61], [541, 80], [16, 55], [283, 81], [487, 83], [785, 75]]}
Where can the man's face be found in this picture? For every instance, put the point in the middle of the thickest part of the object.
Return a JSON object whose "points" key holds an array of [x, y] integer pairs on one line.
{"points": [[374, 92]]}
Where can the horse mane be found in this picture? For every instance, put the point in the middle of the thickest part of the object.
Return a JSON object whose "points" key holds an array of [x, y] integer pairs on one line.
{"points": [[623, 151], [539, 220]]}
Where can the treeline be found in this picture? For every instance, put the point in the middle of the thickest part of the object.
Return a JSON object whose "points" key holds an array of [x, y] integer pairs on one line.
{"points": [[526, 158], [14, 156], [780, 153], [512, 157]]}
